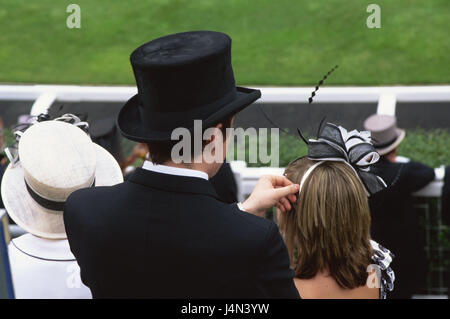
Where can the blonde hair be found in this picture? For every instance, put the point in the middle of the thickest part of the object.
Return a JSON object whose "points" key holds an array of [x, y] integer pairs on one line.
{"points": [[328, 229]]}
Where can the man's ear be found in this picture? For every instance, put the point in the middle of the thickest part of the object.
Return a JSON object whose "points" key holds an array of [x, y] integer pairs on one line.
{"points": [[219, 126], [212, 142], [209, 135]]}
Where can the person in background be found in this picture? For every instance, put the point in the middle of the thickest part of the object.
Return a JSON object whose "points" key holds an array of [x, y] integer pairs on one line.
{"points": [[139, 152], [3, 159], [105, 133], [394, 220], [446, 198], [446, 208], [54, 159]]}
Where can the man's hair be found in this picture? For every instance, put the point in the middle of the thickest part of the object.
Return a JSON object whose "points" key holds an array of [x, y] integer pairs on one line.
{"points": [[328, 229], [160, 152]]}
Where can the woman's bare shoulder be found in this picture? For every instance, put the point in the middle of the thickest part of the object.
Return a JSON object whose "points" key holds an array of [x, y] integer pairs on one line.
{"points": [[323, 286]]}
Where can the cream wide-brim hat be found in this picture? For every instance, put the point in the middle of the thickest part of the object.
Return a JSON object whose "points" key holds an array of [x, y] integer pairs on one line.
{"points": [[400, 136], [37, 220]]}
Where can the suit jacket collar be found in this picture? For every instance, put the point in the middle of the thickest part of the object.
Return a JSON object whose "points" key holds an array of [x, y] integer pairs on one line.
{"points": [[173, 183]]}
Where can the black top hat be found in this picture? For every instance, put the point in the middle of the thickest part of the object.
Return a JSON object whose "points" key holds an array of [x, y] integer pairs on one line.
{"points": [[180, 78]]}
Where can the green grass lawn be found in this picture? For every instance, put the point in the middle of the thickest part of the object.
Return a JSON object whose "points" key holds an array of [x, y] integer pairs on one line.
{"points": [[283, 42]]}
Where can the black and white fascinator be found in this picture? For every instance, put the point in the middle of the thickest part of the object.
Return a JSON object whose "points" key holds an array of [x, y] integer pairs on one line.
{"points": [[335, 143], [354, 148]]}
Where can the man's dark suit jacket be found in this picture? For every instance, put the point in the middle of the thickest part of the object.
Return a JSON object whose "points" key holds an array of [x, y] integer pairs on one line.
{"points": [[166, 236], [395, 224]]}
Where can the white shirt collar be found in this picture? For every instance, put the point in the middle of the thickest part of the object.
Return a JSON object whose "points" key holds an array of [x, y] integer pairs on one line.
{"points": [[164, 169]]}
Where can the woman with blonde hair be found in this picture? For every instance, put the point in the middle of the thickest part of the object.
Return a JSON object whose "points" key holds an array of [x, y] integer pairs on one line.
{"points": [[327, 231]]}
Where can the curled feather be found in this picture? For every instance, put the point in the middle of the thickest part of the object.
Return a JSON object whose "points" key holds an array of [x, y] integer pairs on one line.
{"points": [[313, 94]]}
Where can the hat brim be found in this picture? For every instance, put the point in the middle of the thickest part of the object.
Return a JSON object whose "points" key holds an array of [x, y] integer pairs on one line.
{"points": [[132, 126], [38, 220], [385, 150]]}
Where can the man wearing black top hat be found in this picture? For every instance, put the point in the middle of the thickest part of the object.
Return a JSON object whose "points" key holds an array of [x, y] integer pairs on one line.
{"points": [[164, 233]]}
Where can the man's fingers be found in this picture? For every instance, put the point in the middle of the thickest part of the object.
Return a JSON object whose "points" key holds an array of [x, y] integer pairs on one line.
{"points": [[292, 198], [280, 208], [287, 190], [278, 181], [285, 203], [272, 190]]}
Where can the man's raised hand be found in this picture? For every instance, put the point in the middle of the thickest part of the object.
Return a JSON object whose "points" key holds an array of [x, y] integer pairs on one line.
{"points": [[270, 191]]}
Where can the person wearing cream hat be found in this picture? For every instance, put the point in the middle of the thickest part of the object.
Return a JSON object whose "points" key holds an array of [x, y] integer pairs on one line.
{"points": [[394, 220], [54, 158]]}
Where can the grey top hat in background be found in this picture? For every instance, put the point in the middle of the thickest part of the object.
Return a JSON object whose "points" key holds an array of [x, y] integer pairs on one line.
{"points": [[386, 135]]}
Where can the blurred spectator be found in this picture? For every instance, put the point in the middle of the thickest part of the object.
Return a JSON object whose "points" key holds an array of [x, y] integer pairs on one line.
{"points": [[446, 198], [394, 220], [446, 209], [104, 132], [3, 161], [139, 152]]}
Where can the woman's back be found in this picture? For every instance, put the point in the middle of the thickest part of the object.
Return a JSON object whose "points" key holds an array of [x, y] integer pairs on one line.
{"points": [[380, 280], [323, 286]]}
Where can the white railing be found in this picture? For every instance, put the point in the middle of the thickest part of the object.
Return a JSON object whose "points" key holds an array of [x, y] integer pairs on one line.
{"points": [[386, 96], [63, 93]]}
